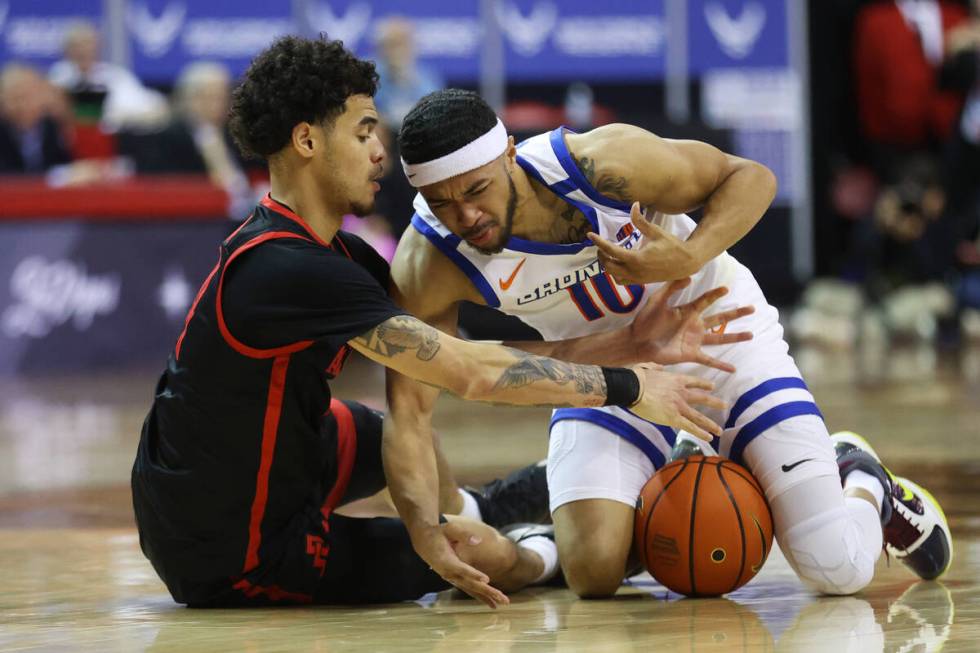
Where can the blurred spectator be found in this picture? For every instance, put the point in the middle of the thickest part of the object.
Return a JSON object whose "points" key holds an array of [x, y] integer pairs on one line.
{"points": [[905, 241], [403, 80], [962, 71], [196, 139], [899, 48], [905, 209], [903, 238], [103, 92], [31, 140]]}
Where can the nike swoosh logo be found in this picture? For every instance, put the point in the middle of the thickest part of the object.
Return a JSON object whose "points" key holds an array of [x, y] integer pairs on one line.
{"points": [[720, 329], [787, 468], [504, 285]]}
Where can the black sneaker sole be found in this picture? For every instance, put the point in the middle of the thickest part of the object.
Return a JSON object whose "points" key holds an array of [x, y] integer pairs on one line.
{"points": [[932, 557]]}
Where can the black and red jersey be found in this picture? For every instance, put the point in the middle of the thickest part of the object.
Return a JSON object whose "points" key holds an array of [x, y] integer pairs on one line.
{"points": [[234, 446]]}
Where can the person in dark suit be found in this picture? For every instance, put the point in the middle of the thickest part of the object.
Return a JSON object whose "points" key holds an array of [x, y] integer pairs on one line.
{"points": [[196, 140], [31, 141]]}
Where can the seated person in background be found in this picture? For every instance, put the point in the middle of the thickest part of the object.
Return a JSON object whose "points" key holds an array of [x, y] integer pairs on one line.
{"points": [[196, 140], [403, 80], [103, 92], [31, 141]]}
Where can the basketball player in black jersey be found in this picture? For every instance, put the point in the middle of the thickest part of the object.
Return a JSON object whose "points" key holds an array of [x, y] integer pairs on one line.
{"points": [[244, 455]]}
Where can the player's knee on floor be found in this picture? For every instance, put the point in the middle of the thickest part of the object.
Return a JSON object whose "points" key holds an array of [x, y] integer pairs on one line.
{"points": [[594, 539], [593, 579], [593, 568], [830, 553]]}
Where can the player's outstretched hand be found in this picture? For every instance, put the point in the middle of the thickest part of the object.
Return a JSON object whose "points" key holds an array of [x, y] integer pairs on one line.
{"points": [[668, 398], [437, 546], [661, 256], [668, 334]]}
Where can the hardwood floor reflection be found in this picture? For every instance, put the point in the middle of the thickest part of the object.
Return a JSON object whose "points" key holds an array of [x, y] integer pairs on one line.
{"points": [[75, 578]]}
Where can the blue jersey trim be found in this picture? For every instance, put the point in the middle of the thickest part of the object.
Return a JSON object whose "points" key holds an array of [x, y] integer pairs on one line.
{"points": [[766, 421], [616, 425], [670, 435], [532, 247], [565, 158], [562, 187], [758, 392], [447, 245]]}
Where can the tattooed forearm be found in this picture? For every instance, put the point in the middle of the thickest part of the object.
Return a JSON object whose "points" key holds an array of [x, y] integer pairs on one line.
{"points": [[399, 334], [529, 369], [615, 187]]}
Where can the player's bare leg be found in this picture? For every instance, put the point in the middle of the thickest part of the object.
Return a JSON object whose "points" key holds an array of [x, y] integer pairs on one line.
{"points": [[594, 538]]}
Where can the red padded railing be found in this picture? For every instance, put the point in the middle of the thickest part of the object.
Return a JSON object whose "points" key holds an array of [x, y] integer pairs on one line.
{"points": [[172, 197]]}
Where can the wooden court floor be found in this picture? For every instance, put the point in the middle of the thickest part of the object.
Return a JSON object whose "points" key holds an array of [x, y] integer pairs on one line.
{"points": [[75, 580]]}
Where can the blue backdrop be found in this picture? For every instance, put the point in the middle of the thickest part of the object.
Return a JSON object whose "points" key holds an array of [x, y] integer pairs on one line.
{"points": [[546, 40]]}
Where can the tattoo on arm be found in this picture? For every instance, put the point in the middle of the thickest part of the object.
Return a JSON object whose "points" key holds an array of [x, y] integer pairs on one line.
{"points": [[615, 187], [399, 334], [528, 369]]}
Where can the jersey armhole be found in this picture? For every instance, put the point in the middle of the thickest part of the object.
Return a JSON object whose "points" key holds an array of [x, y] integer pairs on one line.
{"points": [[568, 164], [234, 343]]}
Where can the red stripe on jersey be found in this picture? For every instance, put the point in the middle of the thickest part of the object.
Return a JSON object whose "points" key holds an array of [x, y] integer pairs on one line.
{"points": [[274, 592], [346, 452], [240, 227], [273, 205], [234, 343], [343, 246], [190, 313], [337, 364], [270, 428]]}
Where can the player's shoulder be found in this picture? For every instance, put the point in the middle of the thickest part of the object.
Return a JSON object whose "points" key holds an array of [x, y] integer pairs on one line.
{"points": [[610, 147], [606, 137], [302, 262], [424, 278]]}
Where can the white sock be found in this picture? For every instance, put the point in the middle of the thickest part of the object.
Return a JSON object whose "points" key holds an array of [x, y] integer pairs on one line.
{"points": [[865, 481], [547, 551], [471, 508]]}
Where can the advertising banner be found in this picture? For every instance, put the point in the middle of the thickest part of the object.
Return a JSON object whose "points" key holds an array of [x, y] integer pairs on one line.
{"points": [[77, 295], [34, 30]]}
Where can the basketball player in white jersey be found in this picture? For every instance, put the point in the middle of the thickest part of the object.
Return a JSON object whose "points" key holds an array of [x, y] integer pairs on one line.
{"points": [[515, 227]]}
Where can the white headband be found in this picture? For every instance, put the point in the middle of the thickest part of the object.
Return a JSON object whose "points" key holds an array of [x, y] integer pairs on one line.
{"points": [[469, 157]]}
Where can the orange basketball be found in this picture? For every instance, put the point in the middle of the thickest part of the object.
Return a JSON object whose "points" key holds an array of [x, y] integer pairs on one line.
{"points": [[703, 527]]}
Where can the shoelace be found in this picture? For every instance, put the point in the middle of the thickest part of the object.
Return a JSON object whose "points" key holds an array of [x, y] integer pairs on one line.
{"points": [[899, 531]]}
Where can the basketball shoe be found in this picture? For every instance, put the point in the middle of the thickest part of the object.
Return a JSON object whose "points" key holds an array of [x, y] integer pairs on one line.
{"points": [[913, 524], [521, 497], [689, 445]]}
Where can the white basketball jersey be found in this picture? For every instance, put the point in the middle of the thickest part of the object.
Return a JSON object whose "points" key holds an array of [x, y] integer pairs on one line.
{"points": [[560, 290]]}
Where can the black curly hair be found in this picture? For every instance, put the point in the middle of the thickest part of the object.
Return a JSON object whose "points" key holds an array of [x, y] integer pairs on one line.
{"points": [[442, 122], [292, 81]]}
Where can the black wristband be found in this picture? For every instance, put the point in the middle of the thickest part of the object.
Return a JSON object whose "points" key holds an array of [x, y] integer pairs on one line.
{"points": [[622, 386]]}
